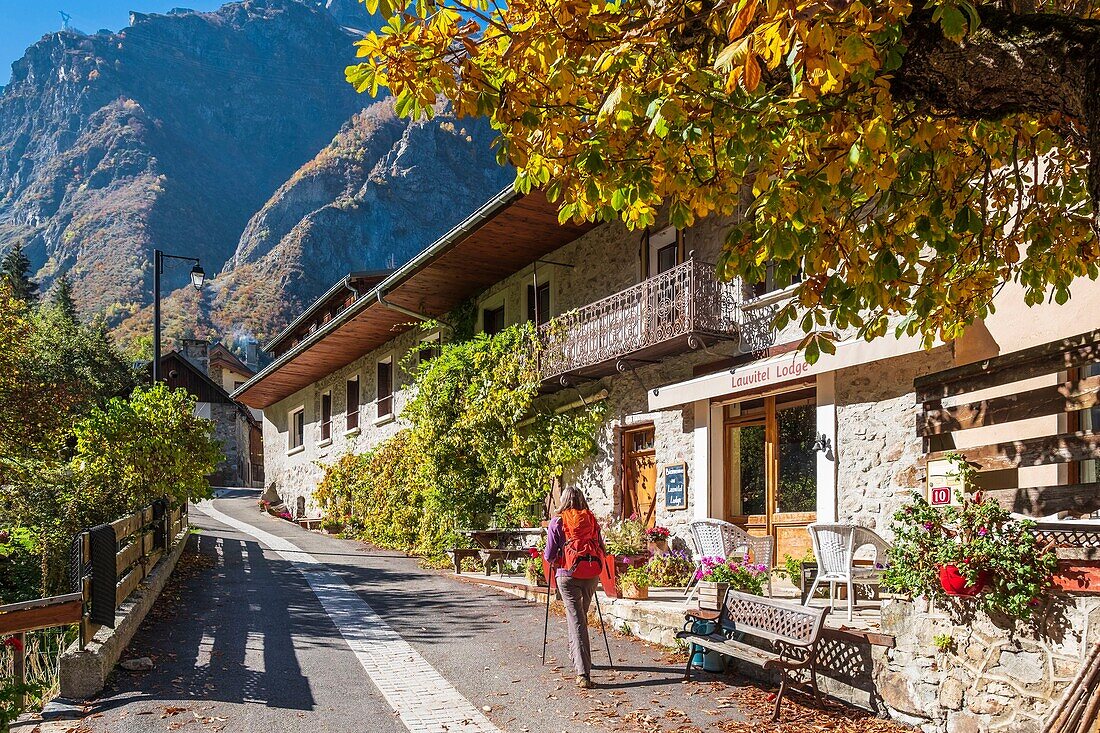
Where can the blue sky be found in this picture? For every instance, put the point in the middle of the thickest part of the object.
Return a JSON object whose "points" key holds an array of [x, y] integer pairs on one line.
{"points": [[23, 22]]}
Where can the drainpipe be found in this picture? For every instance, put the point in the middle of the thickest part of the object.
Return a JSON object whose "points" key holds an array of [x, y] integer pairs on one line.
{"points": [[401, 309]]}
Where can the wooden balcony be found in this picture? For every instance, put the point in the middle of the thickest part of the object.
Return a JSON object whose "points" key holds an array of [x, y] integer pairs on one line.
{"points": [[683, 308]]}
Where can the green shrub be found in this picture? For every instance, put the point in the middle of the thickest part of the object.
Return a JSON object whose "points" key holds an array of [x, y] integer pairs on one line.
{"points": [[478, 449], [673, 570], [979, 537]]}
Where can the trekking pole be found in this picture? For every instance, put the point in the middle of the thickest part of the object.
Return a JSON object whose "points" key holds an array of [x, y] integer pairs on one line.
{"points": [[603, 627], [546, 623]]}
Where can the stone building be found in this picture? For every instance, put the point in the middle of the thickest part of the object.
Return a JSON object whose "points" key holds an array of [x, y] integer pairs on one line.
{"points": [[711, 412], [204, 371]]}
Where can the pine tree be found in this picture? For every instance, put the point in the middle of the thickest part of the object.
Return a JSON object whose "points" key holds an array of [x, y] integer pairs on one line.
{"points": [[63, 297], [15, 270]]}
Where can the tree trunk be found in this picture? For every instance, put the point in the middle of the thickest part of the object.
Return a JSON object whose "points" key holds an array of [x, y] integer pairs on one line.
{"points": [[1038, 63]]}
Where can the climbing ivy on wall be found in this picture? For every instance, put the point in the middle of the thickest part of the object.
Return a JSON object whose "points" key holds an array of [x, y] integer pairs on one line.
{"points": [[481, 448]]}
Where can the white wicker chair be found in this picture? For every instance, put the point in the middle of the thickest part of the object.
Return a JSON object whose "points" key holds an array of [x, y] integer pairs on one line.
{"points": [[835, 547], [715, 538]]}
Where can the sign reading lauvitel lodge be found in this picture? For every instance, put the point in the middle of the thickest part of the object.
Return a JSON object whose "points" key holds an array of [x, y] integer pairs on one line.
{"points": [[779, 371]]}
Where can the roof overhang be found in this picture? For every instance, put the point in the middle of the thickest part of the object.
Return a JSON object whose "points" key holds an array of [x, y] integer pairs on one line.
{"points": [[506, 234]]}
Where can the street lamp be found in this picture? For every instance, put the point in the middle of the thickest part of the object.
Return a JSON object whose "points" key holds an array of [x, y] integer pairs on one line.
{"points": [[198, 276]]}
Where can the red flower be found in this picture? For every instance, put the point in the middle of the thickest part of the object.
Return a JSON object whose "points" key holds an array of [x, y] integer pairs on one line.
{"points": [[533, 551], [14, 643]]}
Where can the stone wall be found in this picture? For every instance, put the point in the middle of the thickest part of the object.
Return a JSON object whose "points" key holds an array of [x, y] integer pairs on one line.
{"points": [[296, 473], [878, 451], [996, 676], [227, 431]]}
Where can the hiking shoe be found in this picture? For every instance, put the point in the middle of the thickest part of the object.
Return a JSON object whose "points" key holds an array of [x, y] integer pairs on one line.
{"points": [[584, 682]]}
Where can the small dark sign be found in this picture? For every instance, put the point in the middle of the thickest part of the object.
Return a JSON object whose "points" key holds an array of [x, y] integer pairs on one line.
{"points": [[676, 486]]}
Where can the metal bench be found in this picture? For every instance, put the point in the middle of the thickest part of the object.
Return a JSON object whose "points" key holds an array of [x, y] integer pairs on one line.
{"points": [[792, 632], [458, 554]]}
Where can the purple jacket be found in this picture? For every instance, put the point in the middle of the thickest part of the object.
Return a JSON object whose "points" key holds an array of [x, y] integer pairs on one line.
{"points": [[555, 546]]}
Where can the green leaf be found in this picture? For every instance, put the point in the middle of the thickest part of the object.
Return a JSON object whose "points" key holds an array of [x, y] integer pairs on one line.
{"points": [[952, 22]]}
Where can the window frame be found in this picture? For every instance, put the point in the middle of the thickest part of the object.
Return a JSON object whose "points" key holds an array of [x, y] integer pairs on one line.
{"points": [[384, 401], [531, 299], [326, 420], [435, 347], [502, 309], [292, 445], [353, 419]]}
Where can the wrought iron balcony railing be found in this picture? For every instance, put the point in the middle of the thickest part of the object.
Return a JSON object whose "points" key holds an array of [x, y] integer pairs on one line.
{"points": [[683, 308]]}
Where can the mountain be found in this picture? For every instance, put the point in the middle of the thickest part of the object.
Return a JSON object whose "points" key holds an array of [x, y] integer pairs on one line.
{"points": [[170, 133], [383, 189]]}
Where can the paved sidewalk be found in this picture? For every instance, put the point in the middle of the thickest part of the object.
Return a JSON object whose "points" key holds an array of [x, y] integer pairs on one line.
{"points": [[242, 642]]}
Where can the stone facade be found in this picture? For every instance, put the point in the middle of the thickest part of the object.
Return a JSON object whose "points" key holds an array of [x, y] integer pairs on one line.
{"points": [[878, 451], [994, 676], [600, 263]]}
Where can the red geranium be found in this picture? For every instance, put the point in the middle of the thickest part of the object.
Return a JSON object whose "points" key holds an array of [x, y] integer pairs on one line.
{"points": [[533, 551], [14, 643]]}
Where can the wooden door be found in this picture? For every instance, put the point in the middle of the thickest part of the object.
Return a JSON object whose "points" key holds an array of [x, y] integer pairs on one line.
{"points": [[771, 473], [640, 475]]}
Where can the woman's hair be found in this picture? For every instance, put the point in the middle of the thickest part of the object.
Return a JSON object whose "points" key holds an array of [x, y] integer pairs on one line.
{"points": [[573, 498]]}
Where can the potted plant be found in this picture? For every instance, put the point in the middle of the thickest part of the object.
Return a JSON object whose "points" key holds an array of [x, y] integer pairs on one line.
{"points": [[971, 550], [634, 583], [673, 570], [332, 526], [717, 575], [657, 540], [625, 539], [533, 568]]}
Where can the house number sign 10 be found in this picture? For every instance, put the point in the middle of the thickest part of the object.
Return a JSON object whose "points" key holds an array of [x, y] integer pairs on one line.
{"points": [[676, 486]]}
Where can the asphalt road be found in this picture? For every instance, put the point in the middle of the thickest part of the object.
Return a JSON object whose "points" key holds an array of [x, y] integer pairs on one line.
{"points": [[241, 642]]}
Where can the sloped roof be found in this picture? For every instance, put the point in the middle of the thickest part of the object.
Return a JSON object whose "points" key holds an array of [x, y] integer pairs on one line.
{"points": [[507, 233]]}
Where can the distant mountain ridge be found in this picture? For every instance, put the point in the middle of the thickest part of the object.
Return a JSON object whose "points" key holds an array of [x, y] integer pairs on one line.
{"points": [[230, 136]]}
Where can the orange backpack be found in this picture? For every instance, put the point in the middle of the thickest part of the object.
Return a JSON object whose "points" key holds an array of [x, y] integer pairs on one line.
{"points": [[583, 555]]}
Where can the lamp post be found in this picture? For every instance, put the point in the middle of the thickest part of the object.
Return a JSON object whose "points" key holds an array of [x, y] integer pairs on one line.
{"points": [[197, 278]]}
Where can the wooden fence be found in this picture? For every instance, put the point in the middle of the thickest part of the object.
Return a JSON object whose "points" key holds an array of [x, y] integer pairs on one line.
{"points": [[140, 540], [1070, 389]]}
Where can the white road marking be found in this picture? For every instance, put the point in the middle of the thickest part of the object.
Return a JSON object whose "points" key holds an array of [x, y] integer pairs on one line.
{"points": [[425, 701]]}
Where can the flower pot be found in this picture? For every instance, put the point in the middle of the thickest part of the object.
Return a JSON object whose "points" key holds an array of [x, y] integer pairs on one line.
{"points": [[622, 562], [712, 595], [536, 579], [658, 547], [634, 592], [954, 584]]}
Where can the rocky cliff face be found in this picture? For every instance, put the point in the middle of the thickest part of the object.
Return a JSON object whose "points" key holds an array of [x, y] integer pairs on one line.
{"points": [[198, 133], [381, 191], [170, 133]]}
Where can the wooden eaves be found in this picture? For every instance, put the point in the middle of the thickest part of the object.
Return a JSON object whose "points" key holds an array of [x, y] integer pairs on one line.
{"points": [[506, 234]]}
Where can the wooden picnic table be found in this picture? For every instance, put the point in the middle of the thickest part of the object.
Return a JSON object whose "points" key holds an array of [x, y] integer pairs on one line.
{"points": [[496, 546]]}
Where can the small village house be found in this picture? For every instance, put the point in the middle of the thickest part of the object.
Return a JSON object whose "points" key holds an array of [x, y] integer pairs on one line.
{"points": [[211, 373], [699, 385]]}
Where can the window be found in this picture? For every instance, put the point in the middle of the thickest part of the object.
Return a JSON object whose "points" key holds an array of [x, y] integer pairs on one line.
{"points": [[538, 303], [429, 349], [297, 428], [326, 416], [385, 387], [237, 384], [665, 250], [492, 320], [772, 283], [353, 403]]}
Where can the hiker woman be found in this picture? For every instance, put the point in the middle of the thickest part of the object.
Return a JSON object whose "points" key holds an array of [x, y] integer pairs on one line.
{"points": [[575, 547]]}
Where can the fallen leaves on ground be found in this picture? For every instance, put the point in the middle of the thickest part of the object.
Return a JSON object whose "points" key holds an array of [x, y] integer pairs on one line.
{"points": [[798, 714]]}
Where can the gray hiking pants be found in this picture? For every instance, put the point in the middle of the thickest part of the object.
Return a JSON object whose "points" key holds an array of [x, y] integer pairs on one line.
{"points": [[576, 595]]}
